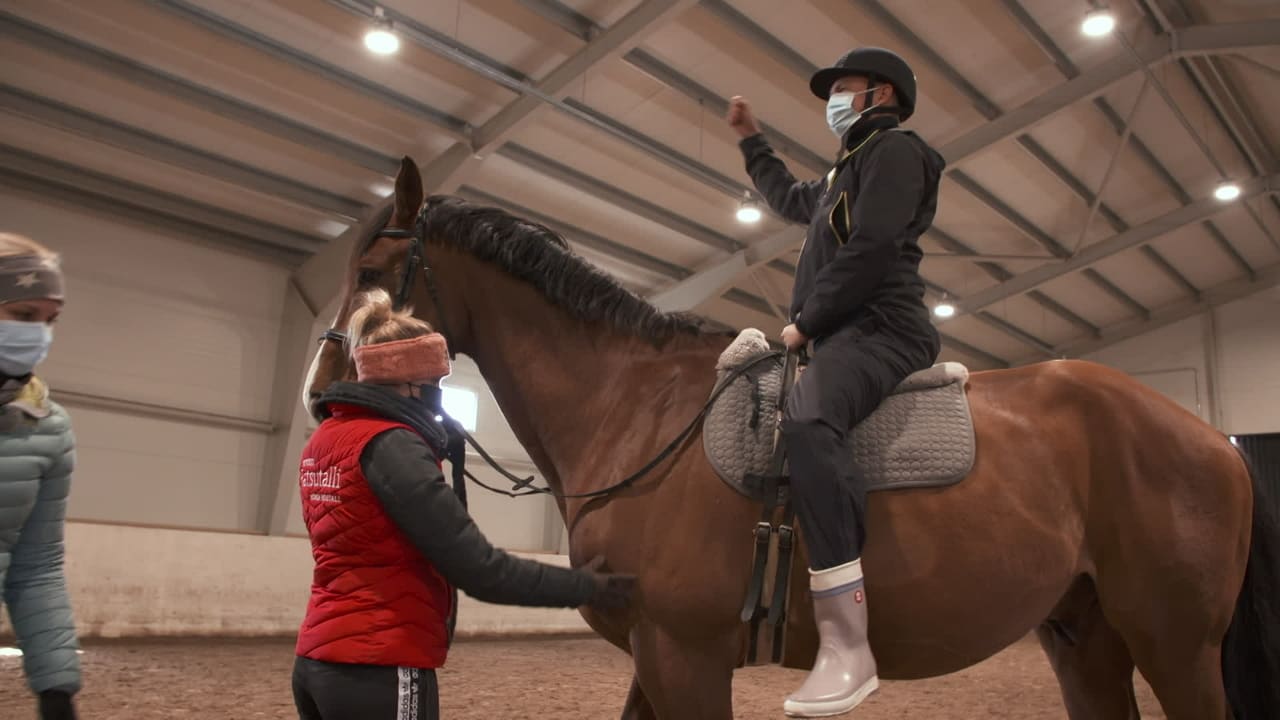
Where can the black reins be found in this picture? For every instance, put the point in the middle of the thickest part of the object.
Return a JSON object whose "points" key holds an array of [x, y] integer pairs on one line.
{"points": [[521, 487]]}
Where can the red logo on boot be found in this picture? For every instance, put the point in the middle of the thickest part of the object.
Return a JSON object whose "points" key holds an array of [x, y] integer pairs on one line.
{"points": [[857, 596]]}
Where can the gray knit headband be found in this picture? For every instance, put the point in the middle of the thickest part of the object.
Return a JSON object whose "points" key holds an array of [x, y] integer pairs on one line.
{"points": [[30, 277]]}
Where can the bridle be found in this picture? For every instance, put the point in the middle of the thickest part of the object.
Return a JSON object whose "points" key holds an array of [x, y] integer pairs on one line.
{"points": [[417, 257]]}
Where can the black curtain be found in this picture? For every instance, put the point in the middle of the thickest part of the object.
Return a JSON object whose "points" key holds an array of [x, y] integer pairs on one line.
{"points": [[1263, 452]]}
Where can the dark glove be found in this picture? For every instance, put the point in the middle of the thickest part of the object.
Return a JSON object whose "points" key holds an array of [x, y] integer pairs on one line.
{"points": [[56, 705], [612, 590]]}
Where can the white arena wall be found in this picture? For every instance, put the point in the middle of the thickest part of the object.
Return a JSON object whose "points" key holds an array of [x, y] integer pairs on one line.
{"points": [[140, 582], [1223, 365]]}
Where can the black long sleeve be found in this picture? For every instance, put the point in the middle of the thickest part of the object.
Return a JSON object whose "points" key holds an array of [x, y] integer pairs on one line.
{"points": [[891, 183], [402, 472], [791, 198]]}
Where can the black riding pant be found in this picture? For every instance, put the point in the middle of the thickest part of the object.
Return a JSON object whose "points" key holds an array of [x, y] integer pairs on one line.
{"points": [[848, 376], [337, 691]]}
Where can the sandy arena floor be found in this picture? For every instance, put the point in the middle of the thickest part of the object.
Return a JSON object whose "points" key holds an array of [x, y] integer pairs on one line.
{"points": [[565, 679]]}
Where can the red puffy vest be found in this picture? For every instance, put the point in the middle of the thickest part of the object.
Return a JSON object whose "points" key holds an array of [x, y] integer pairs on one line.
{"points": [[375, 600]]}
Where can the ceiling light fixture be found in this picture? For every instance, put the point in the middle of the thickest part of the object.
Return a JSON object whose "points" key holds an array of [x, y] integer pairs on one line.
{"points": [[381, 39], [944, 309], [1098, 23], [1227, 191], [748, 211]]}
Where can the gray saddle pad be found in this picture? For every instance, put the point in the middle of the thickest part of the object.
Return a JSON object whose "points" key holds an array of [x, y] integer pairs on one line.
{"points": [[919, 436]]}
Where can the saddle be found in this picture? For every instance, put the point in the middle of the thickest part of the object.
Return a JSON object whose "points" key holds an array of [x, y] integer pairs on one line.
{"points": [[920, 436]]}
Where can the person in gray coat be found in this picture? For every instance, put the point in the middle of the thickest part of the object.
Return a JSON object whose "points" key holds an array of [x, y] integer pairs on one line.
{"points": [[37, 453]]}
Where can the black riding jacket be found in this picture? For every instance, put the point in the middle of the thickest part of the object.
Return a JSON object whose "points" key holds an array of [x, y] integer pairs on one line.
{"points": [[860, 263]]}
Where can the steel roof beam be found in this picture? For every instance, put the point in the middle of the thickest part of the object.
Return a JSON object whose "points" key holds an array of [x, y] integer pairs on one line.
{"points": [[1229, 110], [492, 70], [1222, 294], [1001, 274], [155, 147], [780, 51], [636, 205], [159, 81], [1121, 126], [327, 70], [585, 28], [620, 198], [1134, 237], [973, 351], [1184, 42], [612, 42], [997, 323], [701, 286], [180, 216]]}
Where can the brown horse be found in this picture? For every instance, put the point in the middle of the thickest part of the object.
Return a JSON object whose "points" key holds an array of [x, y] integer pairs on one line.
{"points": [[1098, 512]]}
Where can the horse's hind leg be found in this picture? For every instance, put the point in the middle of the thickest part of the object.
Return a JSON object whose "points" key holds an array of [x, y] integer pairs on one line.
{"points": [[685, 678], [1175, 638], [1186, 677], [637, 707], [1090, 659]]}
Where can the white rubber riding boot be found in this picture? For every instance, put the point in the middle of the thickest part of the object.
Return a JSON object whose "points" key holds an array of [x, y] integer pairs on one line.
{"points": [[844, 673]]}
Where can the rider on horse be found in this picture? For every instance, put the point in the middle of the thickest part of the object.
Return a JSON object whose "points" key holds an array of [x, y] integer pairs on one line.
{"points": [[858, 297]]}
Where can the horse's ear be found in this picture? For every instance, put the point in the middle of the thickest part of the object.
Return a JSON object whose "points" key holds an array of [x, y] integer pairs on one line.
{"points": [[409, 194]]}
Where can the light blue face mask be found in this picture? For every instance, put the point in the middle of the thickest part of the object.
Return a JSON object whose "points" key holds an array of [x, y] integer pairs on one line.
{"points": [[23, 346], [840, 113]]}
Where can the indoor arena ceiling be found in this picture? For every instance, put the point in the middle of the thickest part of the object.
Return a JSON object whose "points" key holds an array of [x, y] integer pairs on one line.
{"points": [[1078, 207]]}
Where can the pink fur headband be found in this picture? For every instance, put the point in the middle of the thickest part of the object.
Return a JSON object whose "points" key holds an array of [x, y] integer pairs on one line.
{"points": [[424, 358]]}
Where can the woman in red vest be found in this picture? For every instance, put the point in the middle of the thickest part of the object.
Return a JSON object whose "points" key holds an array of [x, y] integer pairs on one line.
{"points": [[391, 540]]}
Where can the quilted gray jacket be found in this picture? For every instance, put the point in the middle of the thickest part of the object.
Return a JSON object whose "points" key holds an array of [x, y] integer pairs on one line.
{"points": [[37, 453]]}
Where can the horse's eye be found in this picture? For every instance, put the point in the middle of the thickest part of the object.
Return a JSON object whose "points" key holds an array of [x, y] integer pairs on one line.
{"points": [[369, 277]]}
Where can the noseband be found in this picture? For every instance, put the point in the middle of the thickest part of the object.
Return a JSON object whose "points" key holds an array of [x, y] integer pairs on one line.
{"points": [[417, 256]]}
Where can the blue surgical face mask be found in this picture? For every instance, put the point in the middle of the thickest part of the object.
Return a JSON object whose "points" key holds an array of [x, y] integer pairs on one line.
{"points": [[840, 113], [23, 346]]}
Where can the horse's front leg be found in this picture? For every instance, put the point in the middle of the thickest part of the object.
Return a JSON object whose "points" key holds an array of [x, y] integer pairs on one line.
{"points": [[638, 706], [685, 677]]}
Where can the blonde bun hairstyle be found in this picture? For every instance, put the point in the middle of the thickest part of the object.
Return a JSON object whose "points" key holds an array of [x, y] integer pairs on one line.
{"points": [[375, 321]]}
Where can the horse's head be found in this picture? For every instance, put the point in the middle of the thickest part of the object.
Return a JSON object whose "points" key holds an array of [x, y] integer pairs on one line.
{"points": [[392, 257]]}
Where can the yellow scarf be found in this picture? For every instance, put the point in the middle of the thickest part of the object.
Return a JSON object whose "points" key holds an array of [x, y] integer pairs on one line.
{"points": [[33, 399]]}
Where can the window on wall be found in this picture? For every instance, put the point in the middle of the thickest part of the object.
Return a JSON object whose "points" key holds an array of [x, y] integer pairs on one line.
{"points": [[461, 405]]}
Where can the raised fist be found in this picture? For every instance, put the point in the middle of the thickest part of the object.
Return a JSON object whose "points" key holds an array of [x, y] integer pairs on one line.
{"points": [[740, 117]]}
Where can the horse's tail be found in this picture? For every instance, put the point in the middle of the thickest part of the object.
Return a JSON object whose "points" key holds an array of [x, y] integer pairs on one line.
{"points": [[1251, 651]]}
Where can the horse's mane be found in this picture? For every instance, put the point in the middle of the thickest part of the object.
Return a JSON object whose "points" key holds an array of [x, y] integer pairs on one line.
{"points": [[542, 258]]}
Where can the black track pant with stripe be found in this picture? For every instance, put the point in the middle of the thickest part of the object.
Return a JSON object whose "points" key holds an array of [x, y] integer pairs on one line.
{"points": [[337, 691]]}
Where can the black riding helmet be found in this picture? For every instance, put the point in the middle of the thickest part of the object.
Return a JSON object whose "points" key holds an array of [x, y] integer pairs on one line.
{"points": [[876, 63]]}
